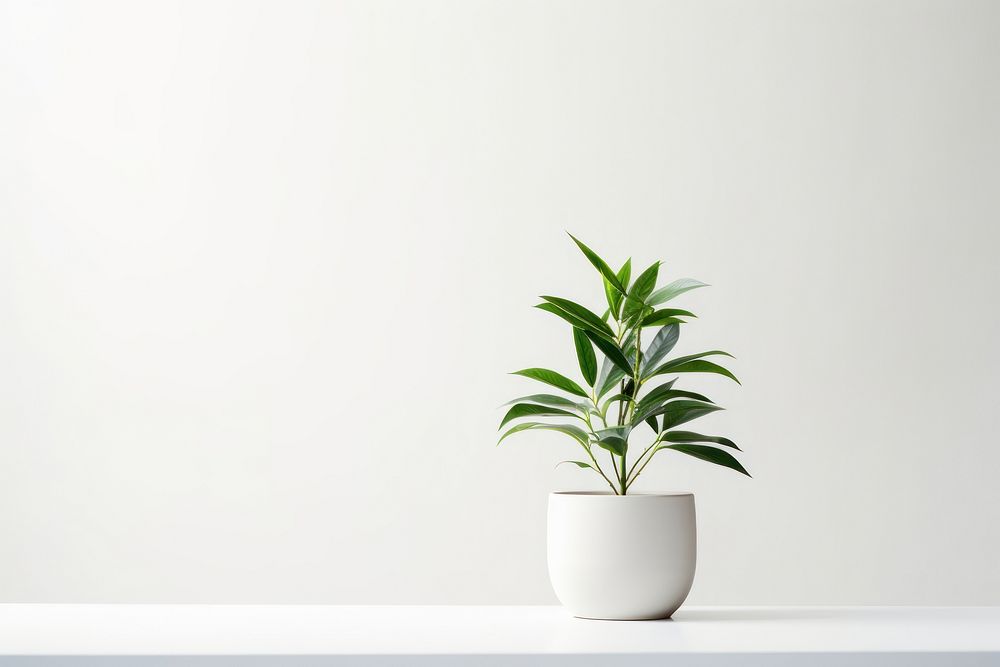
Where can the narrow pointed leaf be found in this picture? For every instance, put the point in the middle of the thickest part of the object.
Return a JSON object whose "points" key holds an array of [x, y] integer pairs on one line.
{"points": [[600, 265], [638, 293], [585, 355], [612, 352], [651, 404], [614, 444], [691, 436], [613, 295], [574, 320], [580, 464], [533, 410], [608, 381], [710, 454], [552, 378], [551, 400], [699, 355], [680, 411], [666, 316], [574, 432], [661, 346], [590, 319], [652, 424], [672, 290], [559, 312], [611, 374], [696, 366], [614, 399], [614, 439]]}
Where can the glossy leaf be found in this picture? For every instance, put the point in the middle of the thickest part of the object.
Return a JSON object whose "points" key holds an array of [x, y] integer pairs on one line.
{"points": [[614, 439], [581, 464], [574, 432], [651, 404], [691, 436], [680, 411], [652, 424], [559, 312], [600, 265], [696, 366], [607, 381], [710, 454], [551, 400], [585, 355], [672, 290], [534, 410], [591, 321], [613, 296], [611, 374], [614, 399], [666, 316], [640, 291], [612, 352], [614, 444], [699, 355], [552, 378], [661, 346]]}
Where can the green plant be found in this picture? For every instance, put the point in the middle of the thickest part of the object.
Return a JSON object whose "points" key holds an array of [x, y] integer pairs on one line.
{"points": [[632, 307]]}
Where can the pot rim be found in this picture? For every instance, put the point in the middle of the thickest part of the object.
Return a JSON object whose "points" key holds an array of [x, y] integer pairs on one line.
{"points": [[608, 494]]}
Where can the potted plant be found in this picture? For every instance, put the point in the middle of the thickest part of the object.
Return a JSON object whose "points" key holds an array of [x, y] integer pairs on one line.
{"points": [[616, 554]]}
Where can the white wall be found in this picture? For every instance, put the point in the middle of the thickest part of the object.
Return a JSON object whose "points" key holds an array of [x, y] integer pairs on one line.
{"points": [[264, 266]]}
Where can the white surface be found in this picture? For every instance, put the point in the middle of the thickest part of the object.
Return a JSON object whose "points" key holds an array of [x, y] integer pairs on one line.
{"points": [[153, 630], [264, 267], [587, 535]]}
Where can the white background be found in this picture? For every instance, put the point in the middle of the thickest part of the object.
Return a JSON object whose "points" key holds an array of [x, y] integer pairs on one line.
{"points": [[264, 268]]}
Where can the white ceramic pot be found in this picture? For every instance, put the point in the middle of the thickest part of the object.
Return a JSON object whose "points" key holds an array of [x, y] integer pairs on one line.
{"points": [[621, 557]]}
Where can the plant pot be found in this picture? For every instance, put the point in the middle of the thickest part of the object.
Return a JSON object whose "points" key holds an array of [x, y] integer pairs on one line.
{"points": [[621, 557]]}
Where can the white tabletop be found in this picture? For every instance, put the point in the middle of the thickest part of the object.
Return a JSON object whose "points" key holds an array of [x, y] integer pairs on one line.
{"points": [[197, 634]]}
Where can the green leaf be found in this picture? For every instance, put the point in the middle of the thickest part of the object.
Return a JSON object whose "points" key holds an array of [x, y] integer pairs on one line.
{"points": [[600, 265], [665, 317], [652, 403], [585, 355], [625, 273], [574, 432], [691, 436], [637, 294], [580, 464], [614, 444], [532, 410], [652, 424], [614, 399], [551, 400], [710, 454], [611, 374], [613, 295], [614, 439], [672, 290], [591, 321], [696, 366], [552, 378], [678, 412], [559, 312], [612, 352], [611, 378], [699, 355], [663, 342]]}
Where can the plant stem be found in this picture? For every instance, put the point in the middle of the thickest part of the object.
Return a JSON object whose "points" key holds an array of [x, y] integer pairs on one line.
{"points": [[597, 466], [601, 472], [622, 477], [632, 477]]}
